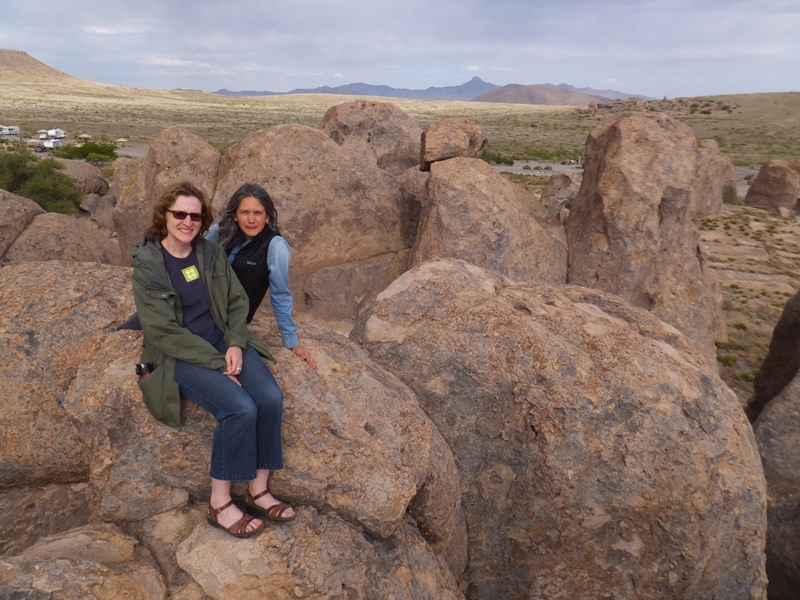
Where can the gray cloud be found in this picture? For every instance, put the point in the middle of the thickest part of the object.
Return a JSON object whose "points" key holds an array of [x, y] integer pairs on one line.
{"points": [[651, 47]]}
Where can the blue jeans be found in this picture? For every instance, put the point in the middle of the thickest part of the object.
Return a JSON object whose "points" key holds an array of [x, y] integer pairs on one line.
{"points": [[248, 433]]}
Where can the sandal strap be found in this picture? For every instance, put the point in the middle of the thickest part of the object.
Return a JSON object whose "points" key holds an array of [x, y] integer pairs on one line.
{"points": [[276, 510], [251, 499], [240, 527], [213, 512]]}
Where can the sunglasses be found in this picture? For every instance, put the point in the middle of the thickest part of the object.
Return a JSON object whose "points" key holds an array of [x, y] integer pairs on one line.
{"points": [[181, 215]]}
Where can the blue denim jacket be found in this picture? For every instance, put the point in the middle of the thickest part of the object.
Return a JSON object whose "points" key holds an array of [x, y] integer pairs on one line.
{"points": [[280, 297]]}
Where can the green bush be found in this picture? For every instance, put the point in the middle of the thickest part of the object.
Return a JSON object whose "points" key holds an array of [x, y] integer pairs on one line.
{"points": [[90, 152], [727, 360], [496, 158], [729, 196], [15, 169], [40, 180], [747, 375]]}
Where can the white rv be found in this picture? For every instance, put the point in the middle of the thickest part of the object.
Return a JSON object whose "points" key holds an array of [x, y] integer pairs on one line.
{"points": [[9, 130], [56, 134]]}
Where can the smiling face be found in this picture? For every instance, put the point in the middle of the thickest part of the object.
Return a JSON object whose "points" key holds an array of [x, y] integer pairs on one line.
{"points": [[251, 217], [181, 233]]}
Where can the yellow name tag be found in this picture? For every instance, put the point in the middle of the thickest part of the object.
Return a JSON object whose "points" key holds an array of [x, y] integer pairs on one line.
{"points": [[190, 273]]}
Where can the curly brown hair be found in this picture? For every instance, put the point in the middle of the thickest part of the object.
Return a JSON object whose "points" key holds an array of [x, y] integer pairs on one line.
{"points": [[158, 225]]}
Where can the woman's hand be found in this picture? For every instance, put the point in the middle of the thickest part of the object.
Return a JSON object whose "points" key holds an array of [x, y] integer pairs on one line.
{"points": [[305, 355], [233, 359]]}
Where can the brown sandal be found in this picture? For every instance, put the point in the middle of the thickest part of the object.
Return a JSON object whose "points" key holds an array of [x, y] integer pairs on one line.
{"points": [[273, 513], [238, 529]]}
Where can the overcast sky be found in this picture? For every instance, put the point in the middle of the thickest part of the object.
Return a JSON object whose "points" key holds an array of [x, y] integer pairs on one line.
{"points": [[650, 47]]}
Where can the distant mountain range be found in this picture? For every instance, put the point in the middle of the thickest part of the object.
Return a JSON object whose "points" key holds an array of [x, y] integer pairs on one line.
{"points": [[20, 69], [475, 89]]}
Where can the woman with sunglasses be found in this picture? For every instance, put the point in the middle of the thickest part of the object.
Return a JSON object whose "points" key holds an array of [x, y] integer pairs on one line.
{"points": [[248, 231], [193, 313]]}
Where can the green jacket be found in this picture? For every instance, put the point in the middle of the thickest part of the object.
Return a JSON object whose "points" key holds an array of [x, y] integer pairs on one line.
{"points": [[165, 338]]}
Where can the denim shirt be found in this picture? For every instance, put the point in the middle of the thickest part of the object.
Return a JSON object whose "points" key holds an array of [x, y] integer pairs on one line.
{"points": [[280, 297]]}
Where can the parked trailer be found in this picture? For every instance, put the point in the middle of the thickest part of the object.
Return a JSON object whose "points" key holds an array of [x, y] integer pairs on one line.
{"points": [[9, 130], [56, 134]]}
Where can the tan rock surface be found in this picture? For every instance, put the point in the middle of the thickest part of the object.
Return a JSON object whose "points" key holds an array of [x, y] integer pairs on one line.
{"points": [[89, 178], [379, 129], [357, 442], [16, 214], [334, 206], [53, 236], [162, 534], [630, 231], [127, 189], [450, 138], [174, 155], [477, 215], [102, 543], [777, 431], [560, 191], [52, 315], [782, 362], [599, 454], [101, 209], [38, 512], [318, 556], [336, 293], [91, 562], [715, 179], [777, 184]]}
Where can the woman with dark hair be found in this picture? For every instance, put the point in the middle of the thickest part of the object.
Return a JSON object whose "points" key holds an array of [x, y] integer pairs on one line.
{"points": [[193, 314], [248, 231]]}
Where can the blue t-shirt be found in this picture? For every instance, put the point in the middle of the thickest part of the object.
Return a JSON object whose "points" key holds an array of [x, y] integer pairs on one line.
{"points": [[184, 273]]}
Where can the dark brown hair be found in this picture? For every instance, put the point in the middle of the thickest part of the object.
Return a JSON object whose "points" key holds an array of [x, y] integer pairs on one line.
{"points": [[230, 234], [157, 229]]}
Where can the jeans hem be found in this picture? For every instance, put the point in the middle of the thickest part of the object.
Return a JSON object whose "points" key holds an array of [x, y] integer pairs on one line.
{"points": [[224, 477], [272, 467]]}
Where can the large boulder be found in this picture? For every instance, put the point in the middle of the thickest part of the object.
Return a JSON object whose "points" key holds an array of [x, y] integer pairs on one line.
{"points": [[599, 455], [476, 214], [88, 177], [715, 180], [318, 556], [53, 236], [16, 214], [381, 130], [782, 362], [336, 293], [174, 155], [52, 315], [355, 442], [630, 230], [100, 208], [777, 185], [89, 562], [560, 191], [777, 431], [450, 138], [335, 206], [39, 511]]}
